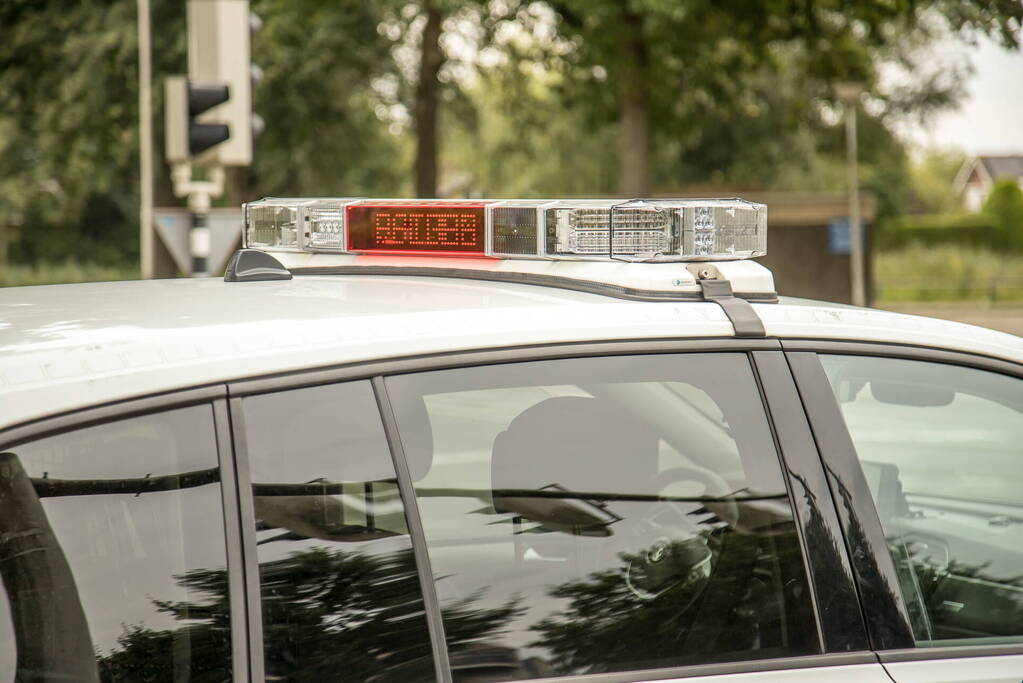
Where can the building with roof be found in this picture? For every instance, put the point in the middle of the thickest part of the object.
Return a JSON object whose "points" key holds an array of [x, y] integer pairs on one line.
{"points": [[978, 175]]}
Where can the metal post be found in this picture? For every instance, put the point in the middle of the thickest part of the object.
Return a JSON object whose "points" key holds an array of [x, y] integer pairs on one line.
{"points": [[200, 194], [199, 243], [147, 253], [859, 296]]}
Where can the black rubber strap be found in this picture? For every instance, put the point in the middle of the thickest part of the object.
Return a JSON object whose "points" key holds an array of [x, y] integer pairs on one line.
{"points": [[744, 319]]}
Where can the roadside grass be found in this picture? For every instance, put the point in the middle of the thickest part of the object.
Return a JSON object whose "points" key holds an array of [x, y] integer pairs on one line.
{"points": [[948, 273], [60, 273]]}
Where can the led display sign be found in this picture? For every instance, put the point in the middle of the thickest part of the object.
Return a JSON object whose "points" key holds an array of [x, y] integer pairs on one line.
{"points": [[435, 229]]}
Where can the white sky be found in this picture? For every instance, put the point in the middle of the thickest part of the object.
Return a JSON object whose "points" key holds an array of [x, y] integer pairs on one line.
{"points": [[990, 118]]}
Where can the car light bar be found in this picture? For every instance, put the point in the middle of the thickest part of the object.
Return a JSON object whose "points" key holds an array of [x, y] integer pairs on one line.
{"points": [[582, 229]]}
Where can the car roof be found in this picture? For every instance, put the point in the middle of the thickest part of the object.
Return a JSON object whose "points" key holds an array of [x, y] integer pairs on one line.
{"points": [[64, 347]]}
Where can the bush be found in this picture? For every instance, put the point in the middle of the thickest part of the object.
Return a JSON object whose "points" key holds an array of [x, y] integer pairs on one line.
{"points": [[948, 273], [972, 230], [1004, 208], [59, 273]]}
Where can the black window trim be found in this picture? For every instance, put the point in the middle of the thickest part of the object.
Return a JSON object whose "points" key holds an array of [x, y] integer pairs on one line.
{"points": [[237, 588], [247, 541], [410, 504], [891, 642], [840, 620]]}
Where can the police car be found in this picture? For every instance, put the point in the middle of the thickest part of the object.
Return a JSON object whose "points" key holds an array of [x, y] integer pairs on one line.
{"points": [[411, 440]]}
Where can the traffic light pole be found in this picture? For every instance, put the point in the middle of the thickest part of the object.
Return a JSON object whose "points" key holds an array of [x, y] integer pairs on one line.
{"points": [[147, 251], [200, 194]]}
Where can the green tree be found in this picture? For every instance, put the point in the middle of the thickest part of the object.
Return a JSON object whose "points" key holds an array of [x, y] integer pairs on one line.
{"points": [[68, 120], [686, 77], [69, 117], [326, 131], [1005, 207], [931, 181]]}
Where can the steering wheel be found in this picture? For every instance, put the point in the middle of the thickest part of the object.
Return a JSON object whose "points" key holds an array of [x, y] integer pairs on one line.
{"points": [[669, 549], [726, 510]]}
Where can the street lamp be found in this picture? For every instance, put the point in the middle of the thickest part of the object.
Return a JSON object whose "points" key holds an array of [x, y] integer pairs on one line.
{"points": [[849, 94]]}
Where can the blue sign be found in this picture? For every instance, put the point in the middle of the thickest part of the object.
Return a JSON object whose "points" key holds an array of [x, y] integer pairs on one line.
{"points": [[839, 241]]}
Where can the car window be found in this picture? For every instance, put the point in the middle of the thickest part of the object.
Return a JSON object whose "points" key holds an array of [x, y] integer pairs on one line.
{"points": [[604, 514], [113, 553], [341, 598], [942, 450]]}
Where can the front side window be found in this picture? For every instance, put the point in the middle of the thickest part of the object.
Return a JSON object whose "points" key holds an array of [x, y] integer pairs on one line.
{"points": [[603, 514], [112, 554], [341, 598], [942, 450]]}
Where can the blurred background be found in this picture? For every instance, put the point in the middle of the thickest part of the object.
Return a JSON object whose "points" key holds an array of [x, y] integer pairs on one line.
{"points": [[908, 113]]}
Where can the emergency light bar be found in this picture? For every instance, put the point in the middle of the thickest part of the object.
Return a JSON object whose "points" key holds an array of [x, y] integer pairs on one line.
{"points": [[579, 229]]}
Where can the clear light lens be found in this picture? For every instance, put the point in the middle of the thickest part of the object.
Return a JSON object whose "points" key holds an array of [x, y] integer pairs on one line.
{"points": [[325, 225], [272, 223], [640, 229], [724, 228]]}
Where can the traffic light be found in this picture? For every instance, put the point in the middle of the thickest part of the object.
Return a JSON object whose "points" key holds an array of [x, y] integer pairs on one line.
{"points": [[187, 137], [209, 114]]}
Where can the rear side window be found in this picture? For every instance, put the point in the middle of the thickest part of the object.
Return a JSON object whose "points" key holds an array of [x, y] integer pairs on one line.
{"points": [[604, 514], [113, 554], [942, 450], [341, 597]]}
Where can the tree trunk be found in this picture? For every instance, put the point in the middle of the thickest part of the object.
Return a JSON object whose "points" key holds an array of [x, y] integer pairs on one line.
{"points": [[426, 104], [634, 116]]}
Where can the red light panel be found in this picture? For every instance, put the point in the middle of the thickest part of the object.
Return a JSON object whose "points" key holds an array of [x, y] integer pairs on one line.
{"points": [[432, 229]]}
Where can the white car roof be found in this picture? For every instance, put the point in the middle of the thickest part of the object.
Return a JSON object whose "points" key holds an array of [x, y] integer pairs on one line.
{"points": [[64, 347]]}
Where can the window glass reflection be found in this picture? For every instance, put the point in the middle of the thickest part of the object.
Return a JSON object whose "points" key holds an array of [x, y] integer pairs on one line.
{"points": [[940, 446], [604, 514], [113, 557], [341, 598]]}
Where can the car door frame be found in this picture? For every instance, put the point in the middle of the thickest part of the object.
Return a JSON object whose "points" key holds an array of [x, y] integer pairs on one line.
{"points": [[887, 617], [840, 624]]}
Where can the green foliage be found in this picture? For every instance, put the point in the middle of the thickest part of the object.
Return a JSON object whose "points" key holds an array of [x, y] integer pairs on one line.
{"points": [[948, 273], [69, 271], [1004, 207], [513, 147], [931, 182], [976, 230], [324, 135], [68, 121]]}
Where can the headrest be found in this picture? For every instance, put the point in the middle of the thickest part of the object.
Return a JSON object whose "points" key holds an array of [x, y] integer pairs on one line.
{"points": [[577, 443], [331, 439]]}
